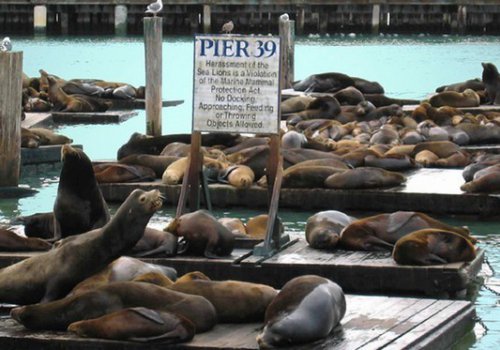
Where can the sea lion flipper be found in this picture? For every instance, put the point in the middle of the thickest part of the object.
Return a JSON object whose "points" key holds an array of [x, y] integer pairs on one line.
{"points": [[174, 336], [148, 314], [161, 249], [433, 259], [398, 220]]}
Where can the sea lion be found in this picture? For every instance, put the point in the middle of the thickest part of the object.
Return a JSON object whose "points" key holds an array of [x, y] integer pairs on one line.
{"points": [[468, 98], [26, 282], [384, 111], [235, 301], [203, 234], [39, 225], [118, 173], [48, 137], [308, 176], [295, 104], [474, 84], [326, 107], [174, 173], [367, 87], [59, 314], [485, 180], [306, 309], [380, 232], [293, 139], [356, 112], [11, 241], [364, 177], [390, 162], [257, 226], [137, 324], [325, 82], [297, 155], [155, 242], [239, 176], [431, 247], [157, 163], [323, 228], [387, 134], [235, 225], [121, 270], [431, 132], [349, 96], [176, 149], [254, 157], [245, 143], [480, 134], [29, 139], [480, 161], [79, 205], [380, 100], [36, 104], [491, 81]]}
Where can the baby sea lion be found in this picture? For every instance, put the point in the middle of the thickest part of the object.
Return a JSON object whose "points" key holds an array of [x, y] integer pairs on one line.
{"points": [[115, 296], [323, 228], [306, 309], [79, 205], [51, 275], [203, 234], [137, 324], [431, 247]]}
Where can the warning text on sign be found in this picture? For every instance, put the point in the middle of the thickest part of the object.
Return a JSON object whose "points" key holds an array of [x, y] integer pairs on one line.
{"points": [[236, 84]]}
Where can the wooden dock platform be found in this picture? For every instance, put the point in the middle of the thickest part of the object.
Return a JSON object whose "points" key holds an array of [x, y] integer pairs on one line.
{"points": [[43, 154], [371, 322], [111, 116], [430, 190], [355, 271]]}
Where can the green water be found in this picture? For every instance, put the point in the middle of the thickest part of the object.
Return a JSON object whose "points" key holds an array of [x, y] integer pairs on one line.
{"points": [[407, 66]]}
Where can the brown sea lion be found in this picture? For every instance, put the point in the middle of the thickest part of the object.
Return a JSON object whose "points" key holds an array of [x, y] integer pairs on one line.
{"points": [[39, 225], [121, 270], [468, 98], [356, 112], [235, 225], [349, 96], [137, 324], [246, 142], [384, 111], [26, 282], [157, 163], [326, 107], [257, 226], [29, 139], [79, 205], [491, 81], [367, 87], [239, 176], [474, 84], [297, 155], [308, 176], [36, 104], [174, 173], [295, 104], [11, 241], [380, 232], [485, 180], [176, 149], [480, 133], [392, 163], [254, 157], [59, 314], [364, 177], [118, 173], [325, 82], [323, 228], [380, 100], [235, 301], [203, 234], [306, 309], [48, 137], [293, 139], [155, 242], [387, 134], [431, 247]]}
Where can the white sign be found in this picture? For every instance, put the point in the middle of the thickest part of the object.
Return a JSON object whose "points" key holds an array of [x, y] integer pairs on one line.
{"points": [[236, 84]]}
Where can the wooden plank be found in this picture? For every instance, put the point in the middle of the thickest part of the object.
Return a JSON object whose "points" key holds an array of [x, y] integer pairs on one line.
{"points": [[114, 116], [153, 50]]}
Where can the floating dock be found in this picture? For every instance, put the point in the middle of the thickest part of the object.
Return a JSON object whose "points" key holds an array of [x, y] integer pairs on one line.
{"points": [[430, 190], [43, 154], [371, 322], [111, 116], [355, 271]]}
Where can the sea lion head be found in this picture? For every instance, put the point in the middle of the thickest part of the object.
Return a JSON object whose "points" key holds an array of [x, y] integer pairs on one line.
{"points": [[469, 93], [490, 72], [149, 201]]}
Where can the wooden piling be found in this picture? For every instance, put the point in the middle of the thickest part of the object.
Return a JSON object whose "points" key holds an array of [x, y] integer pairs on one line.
{"points": [[121, 20], [153, 39], [40, 19], [11, 71], [462, 19], [301, 13], [207, 24], [375, 18], [287, 35]]}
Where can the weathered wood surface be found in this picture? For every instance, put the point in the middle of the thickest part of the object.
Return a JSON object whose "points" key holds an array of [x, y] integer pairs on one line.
{"points": [[140, 104], [112, 116], [153, 50], [355, 271], [371, 322], [474, 110], [429, 190], [11, 71], [43, 154]]}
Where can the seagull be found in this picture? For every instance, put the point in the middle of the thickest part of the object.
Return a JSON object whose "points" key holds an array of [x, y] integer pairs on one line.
{"points": [[6, 45], [228, 27], [154, 7], [284, 17]]}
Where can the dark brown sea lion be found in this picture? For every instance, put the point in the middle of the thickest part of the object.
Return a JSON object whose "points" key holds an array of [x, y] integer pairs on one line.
{"points": [[235, 301], [306, 309], [491, 81], [39, 225], [468, 98], [392, 163], [11, 241], [137, 324], [485, 180], [326, 107], [323, 228], [325, 82], [356, 112], [27, 282], [364, 177], [431, 247], [380, 232], [474, 84], [480, 134], [367, 87], [246, 143], [79, 205], [157, 163], [349, 96], [203, 233], [121, 270], [59, 314], [308, 176], [116, 172]]}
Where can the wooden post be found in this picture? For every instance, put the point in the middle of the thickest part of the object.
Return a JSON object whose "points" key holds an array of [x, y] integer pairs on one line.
{"points": [[462, 19], [207, 23], [64, 21], [153, 45], [120, 20], [301, 14], [376, 19], [287, 35], [40, 19], [11, 71], [191, 179]]}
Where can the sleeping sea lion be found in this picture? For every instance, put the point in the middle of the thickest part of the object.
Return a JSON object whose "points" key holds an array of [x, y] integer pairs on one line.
{"points": [[323, 228]]}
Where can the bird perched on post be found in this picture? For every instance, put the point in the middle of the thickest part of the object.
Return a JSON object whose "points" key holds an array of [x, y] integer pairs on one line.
{"points": [[6, 45], [154, 7], [228, 27], [284, 17]]}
